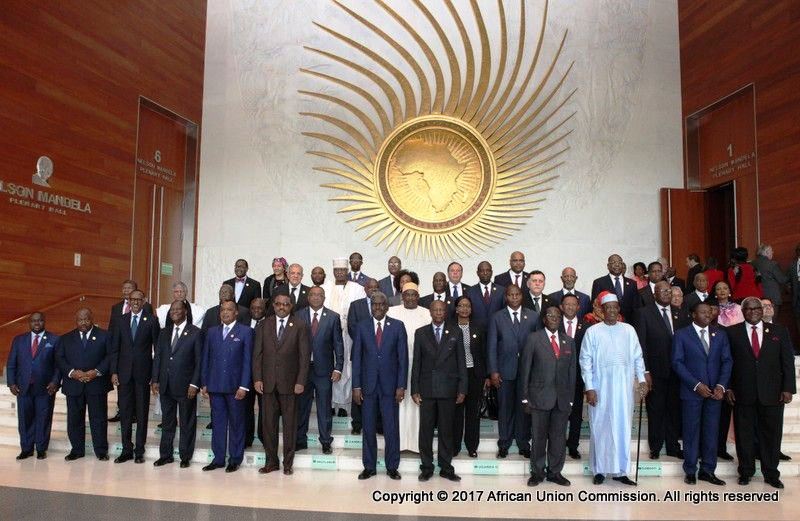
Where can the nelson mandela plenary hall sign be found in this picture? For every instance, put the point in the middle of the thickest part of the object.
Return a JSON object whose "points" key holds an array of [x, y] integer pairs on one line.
{"points": [[38, 195]]}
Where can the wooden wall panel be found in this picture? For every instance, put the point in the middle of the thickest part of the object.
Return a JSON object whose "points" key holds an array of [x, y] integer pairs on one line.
{"points": [[71, 75]]}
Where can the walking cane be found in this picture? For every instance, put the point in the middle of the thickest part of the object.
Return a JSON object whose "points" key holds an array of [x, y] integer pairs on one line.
{"points": [[639, 438]]}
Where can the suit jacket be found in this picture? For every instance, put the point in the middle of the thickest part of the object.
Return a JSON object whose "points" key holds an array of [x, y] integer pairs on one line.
{"points": [[646, 296], [70, 354], [24, 370], [211, 318], [584, 301], [359, 310], [630, 297], [301, 296], [505, 342], [477, 346], [763, 380], [440, 368], [116, 313], [693, 366], [362, 278], [327, 347], [794, 285], [656, 339], [250, 291], [697, 268], [226, 364], [548, 382], [690, 300], [385, 286], [428, 299], [527, 301], [380, 371], [133, 357], [449, 291], [281, 364], [482, 311], [504, 279], [174, 372], [772, 278]]}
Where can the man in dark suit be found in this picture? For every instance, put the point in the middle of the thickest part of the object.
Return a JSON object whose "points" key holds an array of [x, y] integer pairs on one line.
{"points": [[359, 310], [83, 357], [298, 292], [655, 325], [486, 298], [671, 277], [455, 288], [245, 289], [574, 327], [258, 312], [281, 359], [793, 275], [438, 383], [211, 318], [616, 282], [355, 274], [568, 279], [508, 331], [763, 381], [655, 274], [380, 375], [700, 292], [131, 366], [534, 298], [225, 375], [176, 379], [327, 360], [547, 373], [386, 284], [693, 263], [701, 358], [32, 376], [516, 275], [440, 292]]}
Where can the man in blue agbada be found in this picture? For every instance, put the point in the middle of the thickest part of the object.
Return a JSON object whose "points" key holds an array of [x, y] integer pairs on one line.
{"points": [[610, 358]]}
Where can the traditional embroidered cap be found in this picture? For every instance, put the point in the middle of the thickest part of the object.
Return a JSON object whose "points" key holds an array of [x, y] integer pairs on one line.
{"points": [[340, 262], [410, 285], [611, 297]]}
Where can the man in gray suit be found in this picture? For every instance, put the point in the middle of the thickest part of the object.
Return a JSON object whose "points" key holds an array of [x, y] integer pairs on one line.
{"points": [[793, 274], [548, 382], [772, 277]]}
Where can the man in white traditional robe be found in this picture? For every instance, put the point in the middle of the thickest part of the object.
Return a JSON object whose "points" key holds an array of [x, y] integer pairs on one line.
{"points": [[339, 294], [610, 358]]}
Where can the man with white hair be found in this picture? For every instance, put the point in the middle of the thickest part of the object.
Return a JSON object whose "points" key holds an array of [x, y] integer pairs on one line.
{"points": [[194, 313], [773, 279], [610, 358]]}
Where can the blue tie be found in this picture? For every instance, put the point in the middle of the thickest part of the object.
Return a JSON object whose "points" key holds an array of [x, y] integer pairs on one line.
{"points": [[455, 291], [225, 332], [438, 334], [618, 288], [83, 339], [134, 325]]}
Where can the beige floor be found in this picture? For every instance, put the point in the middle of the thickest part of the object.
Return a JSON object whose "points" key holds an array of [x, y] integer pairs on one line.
{"points": [[342, 492]]}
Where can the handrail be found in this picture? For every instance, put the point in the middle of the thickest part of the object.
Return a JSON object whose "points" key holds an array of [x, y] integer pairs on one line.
{"points": [[79, 297]]}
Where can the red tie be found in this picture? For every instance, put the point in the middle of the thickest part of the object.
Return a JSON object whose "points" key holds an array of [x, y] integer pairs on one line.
{"points": [[754, 342], [127, 308], [554, 343], [314, 325], [35, 346], [378, 335], [486, 294], [569, 329]]}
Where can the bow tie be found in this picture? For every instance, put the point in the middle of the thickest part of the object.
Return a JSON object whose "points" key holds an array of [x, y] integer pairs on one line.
{"points": [[243, 279]]}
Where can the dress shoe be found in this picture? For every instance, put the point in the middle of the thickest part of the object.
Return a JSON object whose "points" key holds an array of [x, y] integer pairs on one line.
{"points": [[710, 477], [213, 466], [525, 453], [654, 454], [184, 463], [267, 469], [114, 418], [42, 454], [502, 453], [625, 480], [298, 447], [25, 454], [574, 454], [122, 458], [534, 481], [725, 456], [326, 449], [103, 457], [598, 479], [393, 474], [138, 459], [675, 453], [452, 476], [425, 475], [366, 474], [473, 454], [558, 479], [690, 479], [356, 431], [341, 413], [287, 471], [232, 467], [743, 480], [774, 482], [72, 456], [160, 462], [784, 457]]}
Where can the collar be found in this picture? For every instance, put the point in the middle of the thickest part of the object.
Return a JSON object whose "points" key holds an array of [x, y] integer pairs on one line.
{"points": [[707, 329], [242, 280], [758, 325], [565, 291], [88, 333]]}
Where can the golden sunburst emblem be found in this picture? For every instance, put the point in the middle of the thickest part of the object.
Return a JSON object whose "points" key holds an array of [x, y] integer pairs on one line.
{"points": [[467, 166]]}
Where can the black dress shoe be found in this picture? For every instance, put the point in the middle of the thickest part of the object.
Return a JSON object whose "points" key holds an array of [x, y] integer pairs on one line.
{"points": [[654, 454], [725, 456], [326, 449], [574, 454], [710, 478], [675, 453], [366, 474], [138, 459], [103, 457], [25, 454], [534, 481], [425, 475], [774, 482], [122, 458], [473, 454], [525, 453], [393, 474], [268, 468], [72, 456], [625, 480], [184, 463], [690, 479], [213, 466], [160, 462], [356, 431], [287, 471], [558, 479], [598, 479], [42, 454], [743, 480], [452, 476], [502, 453], [232, 467], [341, 413], [114, 418], [784, 457]]}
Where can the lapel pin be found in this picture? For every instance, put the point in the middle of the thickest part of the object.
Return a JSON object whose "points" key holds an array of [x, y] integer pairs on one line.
{"points": [[713, 334], [144, 318], [474, 336], [324, 314], [387, 323], [185, 333], [766, 330], [524, 317], [246, 283], [446, 332], [291, 324], [94, 338]]}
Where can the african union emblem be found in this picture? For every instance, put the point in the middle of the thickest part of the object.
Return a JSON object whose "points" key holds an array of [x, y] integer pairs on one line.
{"points": [[466, 166]]}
